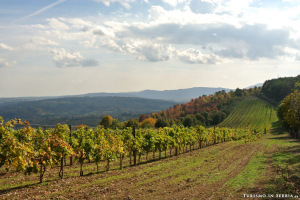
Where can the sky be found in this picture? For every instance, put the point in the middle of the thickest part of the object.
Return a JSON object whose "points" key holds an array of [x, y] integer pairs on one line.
{"points": [[64, 47]]}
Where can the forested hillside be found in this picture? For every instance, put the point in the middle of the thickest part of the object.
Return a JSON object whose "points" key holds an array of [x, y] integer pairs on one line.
{"points": [[278, 89], [82, 110], [284, 92], [179, 96], [205, 110]]}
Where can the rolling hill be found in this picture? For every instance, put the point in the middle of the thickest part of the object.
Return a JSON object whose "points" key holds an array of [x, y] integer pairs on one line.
{"points": [[253, 113], [180, 95], [89, 108], [81, 110]]}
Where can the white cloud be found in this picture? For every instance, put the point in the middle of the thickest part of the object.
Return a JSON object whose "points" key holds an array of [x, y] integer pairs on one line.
{"points": [[236, 6], [6, 47], [201, 6], [102, 30], [226, 40], [5, 63], [174, 2], [38, 43], [153, 52], [62, 58], [43, 41], [77, 22], [57, 24], [160, 15], [196, 57], [211, 35], [114, 46], [125, 3], [191, 37]]}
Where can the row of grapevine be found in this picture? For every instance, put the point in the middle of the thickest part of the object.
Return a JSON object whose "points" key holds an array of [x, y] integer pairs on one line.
{"points": [[252, 113], [33, 150], [237, 114]]}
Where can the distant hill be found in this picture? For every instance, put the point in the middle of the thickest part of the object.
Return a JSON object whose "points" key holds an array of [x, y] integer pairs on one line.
{"points": [[15, 100], [81, 110], [89, 108], [180, 95]]}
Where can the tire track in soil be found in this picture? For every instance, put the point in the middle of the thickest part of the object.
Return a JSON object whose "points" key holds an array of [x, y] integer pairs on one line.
{"points": [[242, 156]]}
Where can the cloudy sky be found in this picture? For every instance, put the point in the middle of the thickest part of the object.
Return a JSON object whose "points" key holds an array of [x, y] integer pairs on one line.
{"points": [[61, 47]]}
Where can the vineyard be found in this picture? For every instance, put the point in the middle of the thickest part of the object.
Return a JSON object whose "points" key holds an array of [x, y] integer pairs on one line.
{"points": [[253, 113], [131, 163], [34, 150]]}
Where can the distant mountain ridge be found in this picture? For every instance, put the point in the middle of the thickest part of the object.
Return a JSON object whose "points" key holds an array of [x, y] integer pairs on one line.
{"points": [[89, 108], [180, 95]]}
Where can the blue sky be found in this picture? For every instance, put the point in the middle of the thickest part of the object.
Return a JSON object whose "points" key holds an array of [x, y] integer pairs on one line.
{"points": [[61, 47]]}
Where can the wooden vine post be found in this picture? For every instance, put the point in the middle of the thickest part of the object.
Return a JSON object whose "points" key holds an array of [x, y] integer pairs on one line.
{"points": [[61, 172], [134, 151], [70, 142], [121, 161], [42, 170], [214, 135]]}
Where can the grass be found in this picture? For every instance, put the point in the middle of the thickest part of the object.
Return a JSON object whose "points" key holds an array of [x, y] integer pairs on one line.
{"points": [[282, 159], [286, 164], [275, 169], [247, 178]]}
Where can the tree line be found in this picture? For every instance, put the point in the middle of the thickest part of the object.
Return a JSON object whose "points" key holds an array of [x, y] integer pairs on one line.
{"points": [[288, 112]]}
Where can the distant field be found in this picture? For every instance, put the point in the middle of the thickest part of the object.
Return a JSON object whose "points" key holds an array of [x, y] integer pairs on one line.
{"points": [[253, 113]]}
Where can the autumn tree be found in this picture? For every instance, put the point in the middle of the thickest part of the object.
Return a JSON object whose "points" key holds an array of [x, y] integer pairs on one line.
{"points": [[106, 121], [131, 122], [148, 123], [161, 122], [142, 117], [188, 121], [288, 111], [238, 92], [116, 124]]}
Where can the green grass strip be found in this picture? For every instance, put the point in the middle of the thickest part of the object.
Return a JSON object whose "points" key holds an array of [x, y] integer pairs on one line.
{"points": [[247, 178]]}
